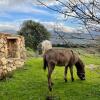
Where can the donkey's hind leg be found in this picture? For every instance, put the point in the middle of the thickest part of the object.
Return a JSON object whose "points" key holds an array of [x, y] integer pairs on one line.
{"points": [[71, 72], [50, 70], [65, 73]]}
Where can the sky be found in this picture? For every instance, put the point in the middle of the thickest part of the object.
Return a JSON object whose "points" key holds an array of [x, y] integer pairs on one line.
{"points": [[14, 12]]}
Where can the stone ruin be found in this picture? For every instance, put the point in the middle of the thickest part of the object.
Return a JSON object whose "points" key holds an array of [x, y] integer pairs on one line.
{"points": [[12, 53]]}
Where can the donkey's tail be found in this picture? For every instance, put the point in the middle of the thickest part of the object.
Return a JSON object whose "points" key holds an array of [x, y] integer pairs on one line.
{"points": [[44, 62]]}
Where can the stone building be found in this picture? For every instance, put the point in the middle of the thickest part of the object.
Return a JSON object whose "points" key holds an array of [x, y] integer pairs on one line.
{"points": [[12, 53]]}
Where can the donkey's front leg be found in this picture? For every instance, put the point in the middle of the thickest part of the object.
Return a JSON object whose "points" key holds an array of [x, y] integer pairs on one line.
{"points": [[50, 70], [71, 72], [65, 73]]}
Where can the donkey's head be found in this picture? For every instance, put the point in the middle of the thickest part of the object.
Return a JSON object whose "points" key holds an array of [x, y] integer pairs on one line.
{"points": [[80, 69]]}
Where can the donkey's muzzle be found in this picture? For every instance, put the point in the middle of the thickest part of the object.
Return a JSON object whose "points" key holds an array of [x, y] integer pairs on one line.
{"points": [[82, 78]]}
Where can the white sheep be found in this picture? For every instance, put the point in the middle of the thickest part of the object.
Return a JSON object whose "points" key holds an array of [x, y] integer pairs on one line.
{"points": [[46, 45]]}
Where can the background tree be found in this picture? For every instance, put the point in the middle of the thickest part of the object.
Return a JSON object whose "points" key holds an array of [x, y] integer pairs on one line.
{"points": [[34, 33]]}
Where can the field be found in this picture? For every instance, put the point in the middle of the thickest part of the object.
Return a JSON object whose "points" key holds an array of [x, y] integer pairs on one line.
{"points": [[30, 83]]}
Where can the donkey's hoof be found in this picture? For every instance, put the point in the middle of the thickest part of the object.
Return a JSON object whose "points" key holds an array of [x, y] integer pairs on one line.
{"points": [[52, 83], [65, 80], [72, 79], [50, 89]]}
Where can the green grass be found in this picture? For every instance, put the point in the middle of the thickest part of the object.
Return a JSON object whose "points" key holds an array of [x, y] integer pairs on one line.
{"points": [[30, 83], [90, 59]]}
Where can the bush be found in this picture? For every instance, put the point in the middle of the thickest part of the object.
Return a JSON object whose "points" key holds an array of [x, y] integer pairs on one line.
{"points": [[29, 52]]}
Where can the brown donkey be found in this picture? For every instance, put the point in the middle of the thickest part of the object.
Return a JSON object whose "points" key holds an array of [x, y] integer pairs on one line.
{"points": [[63, 57]]}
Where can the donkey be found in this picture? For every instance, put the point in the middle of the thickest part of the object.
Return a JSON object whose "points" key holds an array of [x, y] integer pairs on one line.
{"points": [[63, 57]]}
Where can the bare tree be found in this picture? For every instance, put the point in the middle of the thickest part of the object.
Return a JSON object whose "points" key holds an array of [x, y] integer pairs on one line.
{"points": [[87, 12]]}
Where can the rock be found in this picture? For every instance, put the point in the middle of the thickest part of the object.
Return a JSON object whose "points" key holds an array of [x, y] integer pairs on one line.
{"points": [[1, 45], [2, 49], [3, 61], [4, 67], [2, 54], [13, 68], [9, 69], [1, 40], [3, 74], [10, 60]]}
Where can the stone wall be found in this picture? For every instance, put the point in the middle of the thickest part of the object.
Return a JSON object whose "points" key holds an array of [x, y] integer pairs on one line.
{"points": [[12, 53]]}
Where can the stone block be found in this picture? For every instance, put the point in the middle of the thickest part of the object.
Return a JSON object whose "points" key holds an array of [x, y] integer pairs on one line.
{"points": [[10, 61], [4, 67], [2, 54], [9, 69], [2, 49], [3, 61], [1, 40], [13, 68]]}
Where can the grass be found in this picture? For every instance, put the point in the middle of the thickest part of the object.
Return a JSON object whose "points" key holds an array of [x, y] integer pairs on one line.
{"points": [[90, 59], [30, 83]]}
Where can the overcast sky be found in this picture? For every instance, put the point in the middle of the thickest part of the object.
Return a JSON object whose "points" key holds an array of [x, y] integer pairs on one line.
{"points": [[14, 12]]}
